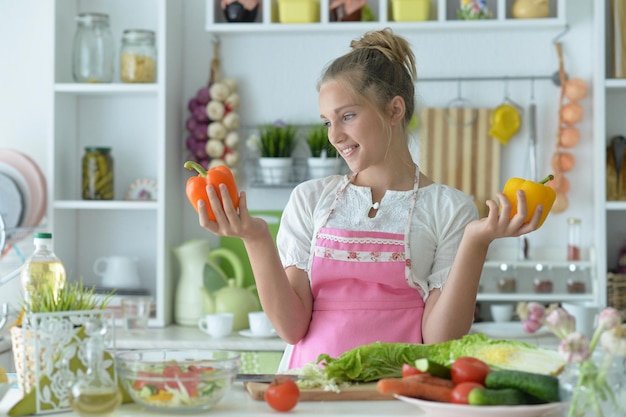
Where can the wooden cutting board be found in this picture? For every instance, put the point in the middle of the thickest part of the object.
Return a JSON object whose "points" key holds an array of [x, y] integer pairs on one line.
{"points": [[361, 392]]}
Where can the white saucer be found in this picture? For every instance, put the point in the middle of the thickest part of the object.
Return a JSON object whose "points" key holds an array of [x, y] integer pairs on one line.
{"points": [[248, 333]]}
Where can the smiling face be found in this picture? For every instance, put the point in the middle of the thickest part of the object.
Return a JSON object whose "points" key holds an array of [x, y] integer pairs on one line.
{"points": [[354, 127]]}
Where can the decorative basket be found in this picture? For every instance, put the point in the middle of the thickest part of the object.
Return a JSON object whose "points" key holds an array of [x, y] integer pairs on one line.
{"points": [[48, 354], [616, 292]]}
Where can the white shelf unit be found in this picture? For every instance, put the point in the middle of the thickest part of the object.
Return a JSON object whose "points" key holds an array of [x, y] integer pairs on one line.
{"points": [[141, 123], [443, 16], [524, 271], [609, 100]]}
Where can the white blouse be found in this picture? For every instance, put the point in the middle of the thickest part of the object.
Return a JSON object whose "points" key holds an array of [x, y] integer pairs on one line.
{"points": [[439, 219]]}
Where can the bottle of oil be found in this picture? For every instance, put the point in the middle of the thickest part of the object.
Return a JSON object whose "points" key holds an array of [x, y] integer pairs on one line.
{"points": [[43, 274], [94, 393]]}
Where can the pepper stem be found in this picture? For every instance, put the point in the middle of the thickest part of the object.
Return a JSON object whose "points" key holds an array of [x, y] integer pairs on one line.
{"points": [[543, 181], [191, 165]]}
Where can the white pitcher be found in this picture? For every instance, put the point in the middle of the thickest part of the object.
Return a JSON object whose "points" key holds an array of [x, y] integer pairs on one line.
{"points": [[117, 272]]}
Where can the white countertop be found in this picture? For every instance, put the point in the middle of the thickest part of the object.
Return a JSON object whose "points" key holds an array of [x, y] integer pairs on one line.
{"points": [[180, 337], [238, 403]]}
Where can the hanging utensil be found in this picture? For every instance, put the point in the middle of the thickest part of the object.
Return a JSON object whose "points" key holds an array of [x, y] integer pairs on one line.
{"points": [[618, 143]]}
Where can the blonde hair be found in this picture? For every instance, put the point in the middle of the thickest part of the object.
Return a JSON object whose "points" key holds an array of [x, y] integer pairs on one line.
{"points": [[380, 66]]}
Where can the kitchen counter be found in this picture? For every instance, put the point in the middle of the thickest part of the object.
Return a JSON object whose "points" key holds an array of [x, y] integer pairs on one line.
{"points": [[180, 337], [238, 403]]}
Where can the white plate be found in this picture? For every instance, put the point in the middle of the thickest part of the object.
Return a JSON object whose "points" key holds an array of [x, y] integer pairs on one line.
{"points": [[21, 183], [11, 204], [437, 409], [248, 333], [506, 330], [35, 182]]}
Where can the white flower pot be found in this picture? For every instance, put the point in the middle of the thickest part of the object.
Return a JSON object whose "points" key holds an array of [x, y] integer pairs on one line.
{"points": [[323, 167], [276, 170]]}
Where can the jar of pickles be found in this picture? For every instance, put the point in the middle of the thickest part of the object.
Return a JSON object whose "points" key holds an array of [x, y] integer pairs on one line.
{"points": [[97, 173], [138, 56]]}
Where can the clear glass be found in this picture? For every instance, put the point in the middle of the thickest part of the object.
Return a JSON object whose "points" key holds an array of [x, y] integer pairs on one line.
{"points": [[93, 53], [573, 239], [595, 387], [138, 56], [43, 272]]}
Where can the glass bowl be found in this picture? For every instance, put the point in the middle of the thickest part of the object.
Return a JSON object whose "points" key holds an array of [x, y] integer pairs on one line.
{"points": [[177, 381]]}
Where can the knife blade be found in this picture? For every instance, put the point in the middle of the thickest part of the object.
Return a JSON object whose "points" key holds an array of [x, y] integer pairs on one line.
{"points": [[263, 377]]}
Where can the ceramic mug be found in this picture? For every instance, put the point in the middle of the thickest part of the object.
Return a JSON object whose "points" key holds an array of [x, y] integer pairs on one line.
{"points": [[217, 325], [585, 313], [117, 272]]}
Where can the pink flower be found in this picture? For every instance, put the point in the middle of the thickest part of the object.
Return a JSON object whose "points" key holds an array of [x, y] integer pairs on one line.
{"points": [[531, 326], [609, 318], [575, 348], [560, 322], [614, 341]]}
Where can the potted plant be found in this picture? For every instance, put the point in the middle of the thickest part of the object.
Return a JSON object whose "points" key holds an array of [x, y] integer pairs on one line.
{"points": [[46, 340], [324, 160], [276, 144]]}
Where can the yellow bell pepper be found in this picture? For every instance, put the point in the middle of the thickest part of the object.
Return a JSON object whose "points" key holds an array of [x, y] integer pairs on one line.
{"points": [[536, 193]]}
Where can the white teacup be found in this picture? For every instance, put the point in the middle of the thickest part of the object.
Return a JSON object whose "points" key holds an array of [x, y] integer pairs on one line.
{"points": [[260, 324], [117, 271], [501, 312], [217, 325]]}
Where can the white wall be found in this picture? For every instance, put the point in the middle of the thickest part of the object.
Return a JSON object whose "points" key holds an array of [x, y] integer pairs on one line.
{"points": [[278, 72]]}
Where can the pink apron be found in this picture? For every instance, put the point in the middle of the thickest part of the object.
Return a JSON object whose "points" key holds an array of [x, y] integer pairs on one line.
{"points": [[359, 281]]}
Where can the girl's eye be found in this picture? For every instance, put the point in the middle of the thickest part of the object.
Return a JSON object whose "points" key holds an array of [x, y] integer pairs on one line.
{"points": [[348, 116], [326, 124]]}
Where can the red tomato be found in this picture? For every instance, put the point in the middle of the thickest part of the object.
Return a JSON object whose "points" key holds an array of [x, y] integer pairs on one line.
{"points": [[408, 370], [462, 390], [282, 394], [469, 369]]}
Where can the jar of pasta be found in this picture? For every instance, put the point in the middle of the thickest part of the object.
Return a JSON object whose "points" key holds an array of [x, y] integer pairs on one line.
{"points": [[97, 174], [138, 56]]}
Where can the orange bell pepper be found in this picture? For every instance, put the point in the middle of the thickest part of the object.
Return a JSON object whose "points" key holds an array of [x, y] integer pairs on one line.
{"points": [[536, 193], [196, 186]]}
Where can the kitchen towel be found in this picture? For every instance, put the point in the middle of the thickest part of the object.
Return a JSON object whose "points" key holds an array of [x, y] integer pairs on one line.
{"points": [[456, 150]]}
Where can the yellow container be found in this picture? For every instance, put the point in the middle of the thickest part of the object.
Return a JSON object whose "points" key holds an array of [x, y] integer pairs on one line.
{"points": [[410, 10], [298, 11]]}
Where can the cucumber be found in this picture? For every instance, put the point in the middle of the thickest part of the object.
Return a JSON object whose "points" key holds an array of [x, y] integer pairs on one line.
{"points": [[503, 396], [545, 388], [433, 368]]}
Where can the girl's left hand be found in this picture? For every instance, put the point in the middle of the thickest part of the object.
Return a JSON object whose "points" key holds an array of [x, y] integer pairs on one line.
{"points": [[229, 221], [499, 224]]}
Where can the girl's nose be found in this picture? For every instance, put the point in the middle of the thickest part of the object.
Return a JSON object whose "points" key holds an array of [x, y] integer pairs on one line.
{"points": [[334, 135]]}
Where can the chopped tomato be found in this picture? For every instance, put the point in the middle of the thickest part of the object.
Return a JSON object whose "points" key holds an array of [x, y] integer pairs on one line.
{"points": [[469, 369], [408, 370], [462, 390]]}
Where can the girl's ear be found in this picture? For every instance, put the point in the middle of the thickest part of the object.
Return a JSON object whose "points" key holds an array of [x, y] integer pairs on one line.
{"points": [[397, 109]]}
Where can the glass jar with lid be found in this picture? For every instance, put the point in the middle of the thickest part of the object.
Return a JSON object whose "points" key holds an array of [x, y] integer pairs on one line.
{"points": [[573, 239], [97, 174], [543, 282], [138, 56], [93, 53], [577, 279], [506, 279]]}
